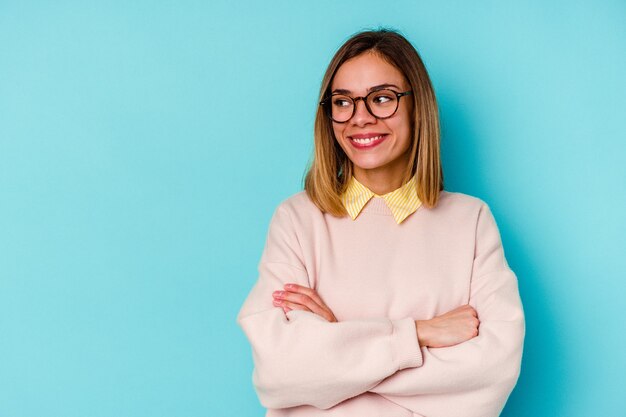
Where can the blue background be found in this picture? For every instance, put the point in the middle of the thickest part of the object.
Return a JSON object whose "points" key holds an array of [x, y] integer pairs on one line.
{"points": [[145, 145]]}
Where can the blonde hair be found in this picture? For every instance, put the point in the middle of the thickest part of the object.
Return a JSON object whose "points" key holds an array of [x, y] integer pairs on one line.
{"points": [[329, 170]]}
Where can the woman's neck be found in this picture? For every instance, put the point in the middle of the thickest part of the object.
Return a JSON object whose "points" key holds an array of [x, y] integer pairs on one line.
{"points": [[380, 183]]}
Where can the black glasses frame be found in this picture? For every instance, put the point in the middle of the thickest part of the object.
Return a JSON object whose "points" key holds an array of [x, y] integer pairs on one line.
{"points": [[329, 110]]}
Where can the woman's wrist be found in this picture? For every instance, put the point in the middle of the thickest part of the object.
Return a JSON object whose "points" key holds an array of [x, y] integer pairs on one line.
{"points": [[449, 329], [421, 328]]}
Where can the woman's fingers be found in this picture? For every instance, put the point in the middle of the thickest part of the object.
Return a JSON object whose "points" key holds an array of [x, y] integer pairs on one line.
{"points": [[287, 305], [310, 292], [297, 297], [298, 301]]}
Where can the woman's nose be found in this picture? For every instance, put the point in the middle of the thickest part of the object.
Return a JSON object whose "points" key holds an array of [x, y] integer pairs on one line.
{"points": [[361, 114]]}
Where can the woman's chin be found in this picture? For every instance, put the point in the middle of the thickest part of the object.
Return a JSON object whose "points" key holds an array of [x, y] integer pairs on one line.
{"points": [[368, 163]]}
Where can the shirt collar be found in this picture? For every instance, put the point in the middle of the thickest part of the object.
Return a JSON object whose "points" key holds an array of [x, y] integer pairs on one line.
{"points": [[402, 201]]}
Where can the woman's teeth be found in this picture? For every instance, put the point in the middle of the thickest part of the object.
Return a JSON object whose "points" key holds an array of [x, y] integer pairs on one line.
{"points": [[368, 140]]}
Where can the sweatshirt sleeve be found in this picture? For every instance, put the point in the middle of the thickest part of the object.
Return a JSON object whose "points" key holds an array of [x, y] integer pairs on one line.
{"points": [[302, 359], [476, 377]]}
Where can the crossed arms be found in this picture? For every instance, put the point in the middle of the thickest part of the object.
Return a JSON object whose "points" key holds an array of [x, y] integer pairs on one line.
{"points": [[303, 359]]}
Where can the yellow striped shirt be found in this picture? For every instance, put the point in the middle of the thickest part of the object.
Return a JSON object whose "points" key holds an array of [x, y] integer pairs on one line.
{"points": [[402, 201]]}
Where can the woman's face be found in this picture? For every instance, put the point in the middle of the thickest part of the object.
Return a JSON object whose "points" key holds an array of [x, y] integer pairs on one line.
{"points": [[387, 156]]}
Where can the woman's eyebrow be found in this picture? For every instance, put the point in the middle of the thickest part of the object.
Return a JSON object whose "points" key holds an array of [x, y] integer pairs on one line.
{"points": [[376, 87]]}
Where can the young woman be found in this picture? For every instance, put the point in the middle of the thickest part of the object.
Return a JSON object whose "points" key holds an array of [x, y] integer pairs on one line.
{"points": [[380, 293]]}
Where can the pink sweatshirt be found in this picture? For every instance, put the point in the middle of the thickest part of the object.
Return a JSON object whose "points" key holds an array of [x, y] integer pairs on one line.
{"points": [[378, 277]]}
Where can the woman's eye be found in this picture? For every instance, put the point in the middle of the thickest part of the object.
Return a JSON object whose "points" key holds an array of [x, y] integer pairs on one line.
{"points": [[340, 102], [382, 99]]}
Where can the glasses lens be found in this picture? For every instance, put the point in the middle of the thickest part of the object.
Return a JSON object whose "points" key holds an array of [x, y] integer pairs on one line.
{"points": [[383, 103], [341, 107]]}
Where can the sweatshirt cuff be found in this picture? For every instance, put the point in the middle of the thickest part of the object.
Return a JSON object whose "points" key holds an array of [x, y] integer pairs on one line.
{"points": [[404, 343]]}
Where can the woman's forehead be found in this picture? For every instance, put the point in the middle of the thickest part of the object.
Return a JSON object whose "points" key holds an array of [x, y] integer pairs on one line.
{"points": [[365, 72]]}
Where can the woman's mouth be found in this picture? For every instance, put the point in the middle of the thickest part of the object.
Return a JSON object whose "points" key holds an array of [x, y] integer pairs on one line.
{"points": [[366, 143]]}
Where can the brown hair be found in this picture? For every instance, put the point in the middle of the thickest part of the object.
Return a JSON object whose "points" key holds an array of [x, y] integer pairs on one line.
{"points": [[330, 169]]}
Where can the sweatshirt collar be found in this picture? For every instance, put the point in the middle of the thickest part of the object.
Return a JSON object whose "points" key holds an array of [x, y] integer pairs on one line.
{"points": [[402, 202]]}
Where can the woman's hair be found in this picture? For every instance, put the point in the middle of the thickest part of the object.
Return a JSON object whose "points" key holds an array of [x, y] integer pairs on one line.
{"points": [[330, 169]]}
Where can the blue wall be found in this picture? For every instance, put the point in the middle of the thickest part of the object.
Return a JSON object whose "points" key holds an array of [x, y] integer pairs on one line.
{"points": [[144, 147]]}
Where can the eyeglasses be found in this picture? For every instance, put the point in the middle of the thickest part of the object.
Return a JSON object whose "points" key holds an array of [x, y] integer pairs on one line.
{"points": [[381, 104]]}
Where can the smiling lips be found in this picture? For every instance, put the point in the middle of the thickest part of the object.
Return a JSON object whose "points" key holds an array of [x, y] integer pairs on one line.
{"points": [[366, 140]]}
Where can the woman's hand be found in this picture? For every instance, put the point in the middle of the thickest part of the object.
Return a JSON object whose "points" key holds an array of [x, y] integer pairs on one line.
{"points": [[297, 297], [449, 329]]}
